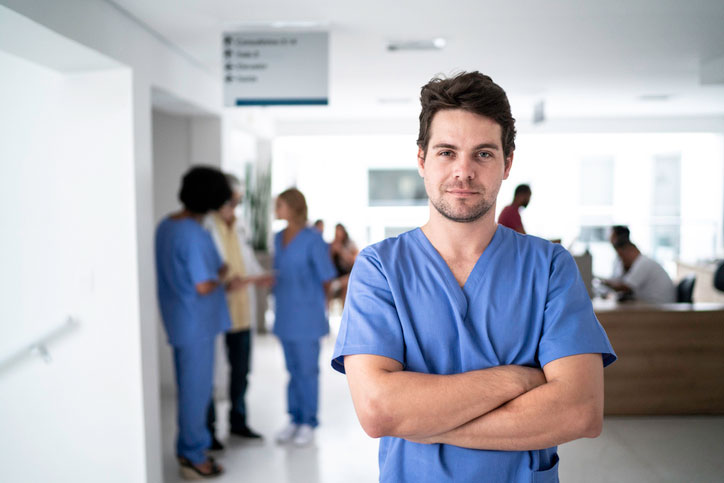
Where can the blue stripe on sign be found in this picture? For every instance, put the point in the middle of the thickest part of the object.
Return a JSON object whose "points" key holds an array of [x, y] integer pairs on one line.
{"points": [[282, 102]]}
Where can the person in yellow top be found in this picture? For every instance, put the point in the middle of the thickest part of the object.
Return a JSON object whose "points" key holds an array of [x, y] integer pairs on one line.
{"points": [[239, 257]]}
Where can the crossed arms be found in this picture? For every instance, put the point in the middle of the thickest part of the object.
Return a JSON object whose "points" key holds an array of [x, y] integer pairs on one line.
{"points": [[509, 408]]}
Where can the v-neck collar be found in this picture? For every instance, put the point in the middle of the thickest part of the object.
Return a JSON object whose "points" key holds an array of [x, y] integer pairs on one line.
{"points": [[281, 238], [462, 294]]}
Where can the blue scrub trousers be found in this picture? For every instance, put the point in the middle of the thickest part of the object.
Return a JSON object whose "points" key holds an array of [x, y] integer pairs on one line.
{"points": [[194, 378], [302, 359]]}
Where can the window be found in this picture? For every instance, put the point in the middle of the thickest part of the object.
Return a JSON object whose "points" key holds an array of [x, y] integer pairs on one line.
{"points": [[396, 187]]}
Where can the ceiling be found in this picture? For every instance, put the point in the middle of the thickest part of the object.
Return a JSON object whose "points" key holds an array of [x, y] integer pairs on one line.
{"points": [[583, 58]]}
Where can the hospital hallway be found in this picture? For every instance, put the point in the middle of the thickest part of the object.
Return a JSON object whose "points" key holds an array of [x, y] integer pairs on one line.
{"points": [[630, 449]]}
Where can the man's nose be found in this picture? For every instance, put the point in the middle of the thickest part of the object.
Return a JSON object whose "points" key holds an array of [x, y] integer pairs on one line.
{"points": [[464, 168]]}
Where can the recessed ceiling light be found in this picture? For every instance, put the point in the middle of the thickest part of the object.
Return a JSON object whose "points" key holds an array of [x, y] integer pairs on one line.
{"points": [[296, 24], [277, 24], [430, 44], [655, 97]]}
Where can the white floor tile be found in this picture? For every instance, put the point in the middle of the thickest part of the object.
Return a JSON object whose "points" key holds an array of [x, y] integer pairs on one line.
{"points": [[640, 450]]}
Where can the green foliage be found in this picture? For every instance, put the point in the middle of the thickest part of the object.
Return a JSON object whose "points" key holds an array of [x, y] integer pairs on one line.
{"points": [[258, 203]]}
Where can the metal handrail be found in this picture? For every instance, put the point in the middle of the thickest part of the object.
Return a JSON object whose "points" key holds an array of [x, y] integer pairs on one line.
{"points": [[40, 346]]}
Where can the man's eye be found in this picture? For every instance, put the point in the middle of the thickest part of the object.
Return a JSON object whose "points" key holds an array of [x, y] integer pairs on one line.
{"points": [[484, 155], [445, 153]]}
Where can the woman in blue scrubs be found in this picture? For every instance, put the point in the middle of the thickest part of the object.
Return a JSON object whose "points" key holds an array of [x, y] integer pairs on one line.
{"points": [[193, 307], [304, 269]]}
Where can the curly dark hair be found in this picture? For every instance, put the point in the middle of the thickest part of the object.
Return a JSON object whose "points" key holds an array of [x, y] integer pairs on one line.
{"points": [[473, 92], [203, 189]]}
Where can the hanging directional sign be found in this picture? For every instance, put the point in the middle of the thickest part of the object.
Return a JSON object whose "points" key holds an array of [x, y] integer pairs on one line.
{"points": [[276, 68]]}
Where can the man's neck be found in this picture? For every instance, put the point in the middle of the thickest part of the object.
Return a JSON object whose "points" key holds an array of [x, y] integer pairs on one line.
{"points": [[460, 240], [630, 257]]}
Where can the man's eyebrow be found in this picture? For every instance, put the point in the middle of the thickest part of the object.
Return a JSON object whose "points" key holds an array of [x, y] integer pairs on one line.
{"points": [[444, 145], [493, 146], [487, 146]]}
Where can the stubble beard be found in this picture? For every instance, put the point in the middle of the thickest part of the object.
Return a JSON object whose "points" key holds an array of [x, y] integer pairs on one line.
{"points": [[465, 213]]}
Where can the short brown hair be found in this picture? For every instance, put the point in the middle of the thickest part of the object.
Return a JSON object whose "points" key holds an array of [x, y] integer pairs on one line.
{"points": [[473, 92], [296, 202]]}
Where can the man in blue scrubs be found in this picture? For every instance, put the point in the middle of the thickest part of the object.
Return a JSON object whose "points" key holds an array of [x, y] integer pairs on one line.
{"points": [[470, 349]]}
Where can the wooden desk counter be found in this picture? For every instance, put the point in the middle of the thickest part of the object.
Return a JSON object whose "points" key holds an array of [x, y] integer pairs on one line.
{"points": [[670, 358]]}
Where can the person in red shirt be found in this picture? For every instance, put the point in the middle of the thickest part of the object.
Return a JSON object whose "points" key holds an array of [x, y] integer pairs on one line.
{"points": [[510, 216]]}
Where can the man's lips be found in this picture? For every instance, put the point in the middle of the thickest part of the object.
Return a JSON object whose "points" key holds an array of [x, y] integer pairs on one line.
{"points": [[462, 192]]}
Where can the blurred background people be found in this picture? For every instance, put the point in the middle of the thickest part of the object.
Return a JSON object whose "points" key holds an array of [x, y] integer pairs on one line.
{"points": [[303, 269], [193, 307], [343, 252], [238, 256], [637, 276], [319, 225], [510, 216]]}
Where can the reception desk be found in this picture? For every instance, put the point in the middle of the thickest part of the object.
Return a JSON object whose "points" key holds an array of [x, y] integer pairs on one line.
{"points": [[670, 358]]}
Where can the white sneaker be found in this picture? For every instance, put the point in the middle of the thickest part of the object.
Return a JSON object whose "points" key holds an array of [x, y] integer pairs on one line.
{"points": [[304, 435], [287, 434]]}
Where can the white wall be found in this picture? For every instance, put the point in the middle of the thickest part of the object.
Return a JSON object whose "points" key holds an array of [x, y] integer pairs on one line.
{"points": [[68, 248], [107, 30], [171, 158]]}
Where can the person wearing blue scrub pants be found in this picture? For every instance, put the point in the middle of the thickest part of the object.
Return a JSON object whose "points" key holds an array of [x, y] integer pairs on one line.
{"points": [[471, 350], [193, 307], [303, 267]]}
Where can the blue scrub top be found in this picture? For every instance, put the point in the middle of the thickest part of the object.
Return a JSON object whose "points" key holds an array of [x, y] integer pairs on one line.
{"points": [[301, 268], [524, 303], [186, 256]]}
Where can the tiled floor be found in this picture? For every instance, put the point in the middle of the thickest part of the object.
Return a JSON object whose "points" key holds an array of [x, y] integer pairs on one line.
{"points": [[676, 449]]}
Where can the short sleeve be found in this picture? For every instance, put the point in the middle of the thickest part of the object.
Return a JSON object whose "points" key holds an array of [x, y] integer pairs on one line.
{"points": [[636, 275], [569, 325], [370, 323], [322, 260], [202, 259]]}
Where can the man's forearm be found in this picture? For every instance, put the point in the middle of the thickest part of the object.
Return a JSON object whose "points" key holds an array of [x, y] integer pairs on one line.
{"points": [[551, 414], [617, 285], [415, 405]]}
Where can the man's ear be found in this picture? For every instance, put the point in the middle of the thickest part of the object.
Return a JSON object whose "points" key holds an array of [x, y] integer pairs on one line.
{"points": [[508, 165], [421, 162]]}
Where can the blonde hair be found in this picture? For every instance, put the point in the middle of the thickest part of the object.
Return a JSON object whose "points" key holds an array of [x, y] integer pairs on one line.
{"points": [[296, 202]]}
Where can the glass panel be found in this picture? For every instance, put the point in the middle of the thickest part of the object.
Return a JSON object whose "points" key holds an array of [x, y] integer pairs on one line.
{"points": [[597, 181], [667, 186], [396, 187]]}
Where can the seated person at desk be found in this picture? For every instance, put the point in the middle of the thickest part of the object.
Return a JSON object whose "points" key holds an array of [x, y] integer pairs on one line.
{"points": [[636, 275]]}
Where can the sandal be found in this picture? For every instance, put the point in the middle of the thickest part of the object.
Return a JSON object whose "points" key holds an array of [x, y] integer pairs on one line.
{"points": [[190, 471]]}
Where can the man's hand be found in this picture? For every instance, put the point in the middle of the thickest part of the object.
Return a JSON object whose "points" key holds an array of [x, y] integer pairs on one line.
{"points": [[236, 283], [263, 280]]}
